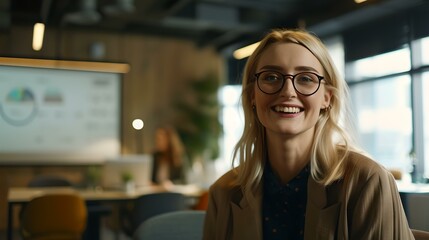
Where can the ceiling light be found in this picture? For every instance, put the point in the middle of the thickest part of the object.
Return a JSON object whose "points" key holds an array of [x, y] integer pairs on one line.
{"points": [[38, 33], [245, 51], [360, 1]]}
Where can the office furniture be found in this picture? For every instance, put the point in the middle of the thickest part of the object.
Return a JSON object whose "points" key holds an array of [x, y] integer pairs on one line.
{"points": [[49, 181], [54, 216], [203, 201], [420, 235], [179, 225], [95, 210], [4, 189], [415, 200], [149, 205], [20, 196]]}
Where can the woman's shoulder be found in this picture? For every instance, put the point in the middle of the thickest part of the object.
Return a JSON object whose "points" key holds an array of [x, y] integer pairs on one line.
{"points": [[227, 180], [361, 164], [226, 184]]}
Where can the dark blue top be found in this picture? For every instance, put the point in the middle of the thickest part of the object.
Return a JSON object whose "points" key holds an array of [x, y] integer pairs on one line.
{"points": [[283, 206]]}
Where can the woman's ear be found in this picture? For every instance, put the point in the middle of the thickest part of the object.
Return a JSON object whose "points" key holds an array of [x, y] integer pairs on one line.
{"points": [[327, 99]]}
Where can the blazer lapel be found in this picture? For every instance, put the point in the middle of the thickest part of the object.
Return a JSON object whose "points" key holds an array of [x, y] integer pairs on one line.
{"points": [[246, 215], [322, 212]]}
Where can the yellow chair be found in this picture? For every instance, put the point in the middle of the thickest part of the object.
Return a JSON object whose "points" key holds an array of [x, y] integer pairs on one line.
{"points": [[54, 216]]}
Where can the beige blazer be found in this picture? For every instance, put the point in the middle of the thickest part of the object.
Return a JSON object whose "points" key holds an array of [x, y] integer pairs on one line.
{"points": [[365, 204]]}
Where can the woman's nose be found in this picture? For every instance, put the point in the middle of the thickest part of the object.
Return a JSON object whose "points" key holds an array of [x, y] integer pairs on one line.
{"points": [[288, 89]]}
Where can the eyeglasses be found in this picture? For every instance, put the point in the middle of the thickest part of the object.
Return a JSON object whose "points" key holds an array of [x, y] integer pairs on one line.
{"points": [[305, 83]]}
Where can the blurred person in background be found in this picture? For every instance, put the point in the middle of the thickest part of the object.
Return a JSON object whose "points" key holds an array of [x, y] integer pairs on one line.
{"points": [[168, 157]]}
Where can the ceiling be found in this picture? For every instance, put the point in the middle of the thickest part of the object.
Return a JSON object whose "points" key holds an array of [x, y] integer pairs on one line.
{"points": [[224, 24]]}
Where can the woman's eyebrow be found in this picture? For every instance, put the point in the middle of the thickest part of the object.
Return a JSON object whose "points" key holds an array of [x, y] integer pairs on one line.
{"points": [[306, 68], [298, 68], [271, 67]]}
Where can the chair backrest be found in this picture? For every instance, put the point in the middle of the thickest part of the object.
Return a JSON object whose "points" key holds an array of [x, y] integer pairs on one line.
{"points": [[147, 206], [49, 181], [420, 235], [54, 216], [179, 225]]}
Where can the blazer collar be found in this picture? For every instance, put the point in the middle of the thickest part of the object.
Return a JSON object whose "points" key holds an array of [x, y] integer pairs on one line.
{"points": [[322, 212], [321, 216], [246, 213]]}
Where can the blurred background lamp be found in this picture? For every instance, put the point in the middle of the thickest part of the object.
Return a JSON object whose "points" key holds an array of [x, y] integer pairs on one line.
{"points": [[38, 32], [246, 51], [138, 124]]}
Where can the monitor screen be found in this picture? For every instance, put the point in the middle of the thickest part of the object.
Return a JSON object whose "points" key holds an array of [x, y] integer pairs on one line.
{"points": [[57, 115], [139, 166]]}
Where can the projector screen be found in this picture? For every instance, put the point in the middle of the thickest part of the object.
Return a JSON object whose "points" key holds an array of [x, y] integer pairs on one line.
{"points": [[56, 115]]}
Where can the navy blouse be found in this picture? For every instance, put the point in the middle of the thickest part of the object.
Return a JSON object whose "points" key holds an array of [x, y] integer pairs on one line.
{"points": [[283, 206]]}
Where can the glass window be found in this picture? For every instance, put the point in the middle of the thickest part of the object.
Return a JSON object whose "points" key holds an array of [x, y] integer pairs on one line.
{"points": [[425, 82], [384, 120], [335, 47], [425, 49], [388, 63], [232, 120]]}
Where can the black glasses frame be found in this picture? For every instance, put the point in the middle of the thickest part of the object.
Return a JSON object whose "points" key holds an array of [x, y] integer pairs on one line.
{"points": [[292, 77]]}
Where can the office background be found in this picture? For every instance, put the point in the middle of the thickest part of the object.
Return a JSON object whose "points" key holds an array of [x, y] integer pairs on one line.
{"points": [[388, 90]]}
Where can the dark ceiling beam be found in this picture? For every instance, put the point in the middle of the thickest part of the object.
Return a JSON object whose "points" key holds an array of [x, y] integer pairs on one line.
{"points": [[4, 14], [267, 5], [230, 37], [337, 24], [175, 8]]}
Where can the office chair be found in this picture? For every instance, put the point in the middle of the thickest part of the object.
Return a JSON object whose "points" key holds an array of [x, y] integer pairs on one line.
{"points": [[95, 210], [179, 225], [203, 201], [420, 235], [147, 206], [54, 216]]}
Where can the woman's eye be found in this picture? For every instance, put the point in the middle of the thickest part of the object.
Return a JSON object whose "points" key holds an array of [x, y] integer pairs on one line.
{"points": [[271, 78], [305, 78]]}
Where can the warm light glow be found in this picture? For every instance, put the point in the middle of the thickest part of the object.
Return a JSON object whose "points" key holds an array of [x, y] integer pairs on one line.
{"points": [[38, 32], [245, 51], [360, 1], [138, 124]]}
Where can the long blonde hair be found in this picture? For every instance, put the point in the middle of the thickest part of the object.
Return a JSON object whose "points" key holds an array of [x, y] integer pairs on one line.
{"points": [[331, 142]]}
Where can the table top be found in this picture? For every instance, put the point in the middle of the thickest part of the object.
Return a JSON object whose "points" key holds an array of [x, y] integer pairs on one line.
{"points": [[24, 194], [408, 187]]}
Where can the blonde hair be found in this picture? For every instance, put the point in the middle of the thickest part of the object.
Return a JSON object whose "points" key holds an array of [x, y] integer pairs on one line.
{"points": [[331, 142]]}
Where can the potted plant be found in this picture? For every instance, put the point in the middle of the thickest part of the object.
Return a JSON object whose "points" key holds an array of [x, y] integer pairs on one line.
{"points": [[128, 181], [198, 125]]}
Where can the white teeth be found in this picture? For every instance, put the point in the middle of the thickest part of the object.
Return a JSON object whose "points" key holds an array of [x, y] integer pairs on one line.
{"points": [[287, 109]]}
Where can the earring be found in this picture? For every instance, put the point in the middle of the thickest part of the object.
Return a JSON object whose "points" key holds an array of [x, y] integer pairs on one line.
{"points": [[328, 108]]}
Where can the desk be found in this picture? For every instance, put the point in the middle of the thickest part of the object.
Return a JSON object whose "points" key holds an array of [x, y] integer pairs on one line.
{"points": [[415, 200], [23, 195]]}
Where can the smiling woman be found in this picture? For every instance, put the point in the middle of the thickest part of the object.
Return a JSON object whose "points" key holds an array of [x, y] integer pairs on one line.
{"points": [[297, 165]]}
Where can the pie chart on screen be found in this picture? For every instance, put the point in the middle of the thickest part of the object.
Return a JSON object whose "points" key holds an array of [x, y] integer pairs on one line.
{"points": [[18, 107]]}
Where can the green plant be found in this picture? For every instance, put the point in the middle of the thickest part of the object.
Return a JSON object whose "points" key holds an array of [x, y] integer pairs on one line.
{"points": [[93, 175], [199, 126], [126, 177]]}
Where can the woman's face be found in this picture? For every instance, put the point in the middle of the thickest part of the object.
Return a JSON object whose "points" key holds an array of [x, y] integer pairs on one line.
{"points": [[287, 112]]}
